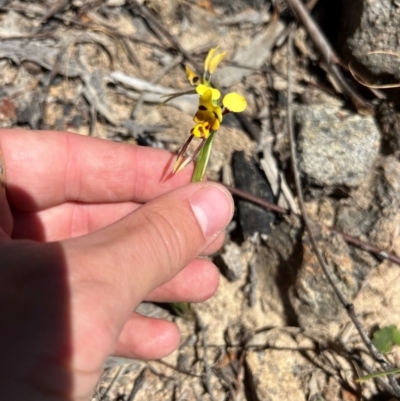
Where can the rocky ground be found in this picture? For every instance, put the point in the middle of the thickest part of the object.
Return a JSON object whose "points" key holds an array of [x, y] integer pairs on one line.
{"points": [[275, 330]]}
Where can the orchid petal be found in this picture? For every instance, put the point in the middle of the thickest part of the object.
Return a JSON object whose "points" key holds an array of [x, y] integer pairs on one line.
{"points": [[193, 78], [234, 102], [216, 94]]}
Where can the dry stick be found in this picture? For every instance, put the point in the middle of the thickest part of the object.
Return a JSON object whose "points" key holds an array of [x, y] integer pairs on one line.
{"points": [[346, 237], [82, 25], [366, 246], [146, 14], [328, 54], [307, 222], [131, 55], [155, 80], [55, 9], [257, 200]]}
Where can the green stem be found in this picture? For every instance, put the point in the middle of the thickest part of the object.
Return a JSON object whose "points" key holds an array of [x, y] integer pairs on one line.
{"points": [[183, 309], [202, 160]]}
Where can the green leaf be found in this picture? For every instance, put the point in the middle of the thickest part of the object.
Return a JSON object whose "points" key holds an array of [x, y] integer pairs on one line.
{"points": [[202, 160], [396, 336], [386, 337], [183, 310], [378, 374]]}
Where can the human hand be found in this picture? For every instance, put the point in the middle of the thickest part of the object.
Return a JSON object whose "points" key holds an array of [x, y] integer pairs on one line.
{"points": [[88, 230]]}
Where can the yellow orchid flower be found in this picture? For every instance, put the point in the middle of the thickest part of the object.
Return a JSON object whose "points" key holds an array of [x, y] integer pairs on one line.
{"points": [[209, 114]]}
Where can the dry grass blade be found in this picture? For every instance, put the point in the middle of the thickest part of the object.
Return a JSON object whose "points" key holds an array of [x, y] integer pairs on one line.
{"points": [[370, 85]]}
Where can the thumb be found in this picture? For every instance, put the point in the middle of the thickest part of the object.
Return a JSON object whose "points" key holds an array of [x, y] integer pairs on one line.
{"points": [[147, 248], [163, 236]]}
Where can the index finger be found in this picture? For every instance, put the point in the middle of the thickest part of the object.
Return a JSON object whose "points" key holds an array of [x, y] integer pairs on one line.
{"points": [[47, 168]]}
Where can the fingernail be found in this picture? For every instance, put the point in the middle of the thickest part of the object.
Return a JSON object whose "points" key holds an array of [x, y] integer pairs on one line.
{"points": [[213, 208]]}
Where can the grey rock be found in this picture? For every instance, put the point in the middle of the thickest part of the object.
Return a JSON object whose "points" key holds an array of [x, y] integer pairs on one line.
{"points": [[151, 310], [336, 147], [312, 297], [370, 26], [230, 262], [271, 378], [388, 188], [388, 118]]}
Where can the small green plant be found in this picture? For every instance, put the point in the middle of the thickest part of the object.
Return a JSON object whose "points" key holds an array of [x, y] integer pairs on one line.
{"points": [[385, 338]]}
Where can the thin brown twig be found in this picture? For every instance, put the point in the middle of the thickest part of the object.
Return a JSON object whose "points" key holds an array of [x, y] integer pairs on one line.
{"points": [[257, 200], [329, 56], [346, 237], [366, 246], [307, 222]]}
